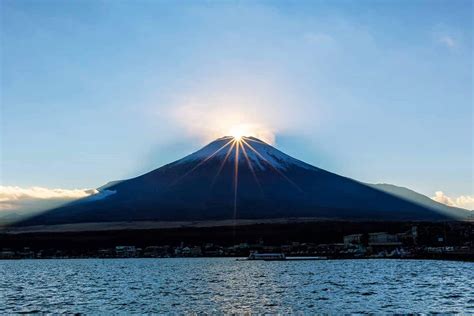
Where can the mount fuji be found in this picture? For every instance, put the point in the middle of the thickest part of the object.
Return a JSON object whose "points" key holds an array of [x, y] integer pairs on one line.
{"points": [[244, 178]]}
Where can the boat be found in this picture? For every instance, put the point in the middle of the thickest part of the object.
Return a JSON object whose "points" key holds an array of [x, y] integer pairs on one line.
{"points": [[266, 256]]}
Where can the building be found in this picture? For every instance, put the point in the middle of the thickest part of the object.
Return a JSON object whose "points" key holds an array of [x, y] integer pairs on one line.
{"points": [[156, 251], [26, 253], [7, 254], [351, 240], [384, 243], [195, 251], [125, 251], [382, 238], [106, 253]]}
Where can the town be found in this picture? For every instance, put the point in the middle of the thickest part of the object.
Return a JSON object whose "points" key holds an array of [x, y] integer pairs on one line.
{"points": [[408, 244]]}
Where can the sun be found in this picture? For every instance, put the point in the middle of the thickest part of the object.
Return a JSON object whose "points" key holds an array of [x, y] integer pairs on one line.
{"points": [[241, 131], [237, 132]]}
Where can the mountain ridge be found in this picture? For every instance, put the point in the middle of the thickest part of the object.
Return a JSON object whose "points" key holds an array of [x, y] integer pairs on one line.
{"points": [[241, 179]]}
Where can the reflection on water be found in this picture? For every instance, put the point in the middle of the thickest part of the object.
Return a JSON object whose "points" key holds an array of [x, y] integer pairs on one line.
{"points": [[217, 285]]}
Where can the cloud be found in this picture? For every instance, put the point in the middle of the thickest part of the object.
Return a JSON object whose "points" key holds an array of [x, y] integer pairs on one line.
{"points": [[17, 200], [463, 201], [447, 41]]}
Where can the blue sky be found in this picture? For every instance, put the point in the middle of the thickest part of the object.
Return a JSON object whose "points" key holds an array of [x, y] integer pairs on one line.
{"points": [[93, 91]]}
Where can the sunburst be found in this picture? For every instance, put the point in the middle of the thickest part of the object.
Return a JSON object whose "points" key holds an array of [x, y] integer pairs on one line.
{"points": [[237, 143]]}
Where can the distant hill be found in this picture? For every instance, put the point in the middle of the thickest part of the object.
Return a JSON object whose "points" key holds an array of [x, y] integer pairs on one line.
{"points": [[245, 179], [421, 199]]}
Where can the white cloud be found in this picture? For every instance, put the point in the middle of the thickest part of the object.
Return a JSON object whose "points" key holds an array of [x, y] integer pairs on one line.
{"points": [[14, 199], [447, 41], [463, 201]]}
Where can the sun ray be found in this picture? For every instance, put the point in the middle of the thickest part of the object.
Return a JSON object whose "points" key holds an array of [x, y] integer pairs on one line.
{"points": [[236, 177], [223, 163], [252, 170], [275, 169], [202, 162], [254, 140]]}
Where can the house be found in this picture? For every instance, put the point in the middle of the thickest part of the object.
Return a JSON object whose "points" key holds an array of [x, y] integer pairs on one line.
{"points": [[382, 238], [7, 254], [156, 251], [351, 240], [195, 251], [125, 251]]}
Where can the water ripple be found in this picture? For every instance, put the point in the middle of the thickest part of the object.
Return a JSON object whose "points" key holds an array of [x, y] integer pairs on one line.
{"points": [[225, 285]]}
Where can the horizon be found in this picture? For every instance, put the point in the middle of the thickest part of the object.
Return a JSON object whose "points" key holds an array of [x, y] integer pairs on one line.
{"points": [[380, 93]]}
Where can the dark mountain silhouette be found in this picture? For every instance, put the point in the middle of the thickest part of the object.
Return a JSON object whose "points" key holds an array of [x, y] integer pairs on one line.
{"points": [[242, 179], [421, 199]]}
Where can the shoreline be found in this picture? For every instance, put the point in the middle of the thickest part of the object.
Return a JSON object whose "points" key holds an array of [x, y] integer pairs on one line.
{"points": [[146, 225], [244, 259], [294, 238]]}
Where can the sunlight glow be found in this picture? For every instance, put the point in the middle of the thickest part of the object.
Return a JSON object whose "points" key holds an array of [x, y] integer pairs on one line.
{"points": [[209, 123], [239, 131], [205, 117]]}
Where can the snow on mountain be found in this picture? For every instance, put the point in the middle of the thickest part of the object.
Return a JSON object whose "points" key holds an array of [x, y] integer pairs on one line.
{"points": [[260, 154]]}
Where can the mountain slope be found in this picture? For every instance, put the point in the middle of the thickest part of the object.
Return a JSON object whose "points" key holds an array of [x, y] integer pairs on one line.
{"points": [[420, 199], [244, 179]]}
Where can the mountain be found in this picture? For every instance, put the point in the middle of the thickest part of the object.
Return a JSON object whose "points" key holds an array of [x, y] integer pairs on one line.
{"points": [[420, 199], [242, 179]]}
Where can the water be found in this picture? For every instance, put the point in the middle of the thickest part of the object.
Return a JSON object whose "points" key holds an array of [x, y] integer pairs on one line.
{"points": [[227, 285]]}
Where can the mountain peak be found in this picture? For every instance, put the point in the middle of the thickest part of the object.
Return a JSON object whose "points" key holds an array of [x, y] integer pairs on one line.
{"points": [[246, 150]]}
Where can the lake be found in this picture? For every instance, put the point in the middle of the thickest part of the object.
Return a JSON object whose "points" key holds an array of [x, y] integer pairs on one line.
{"points": [[226, 285]]}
